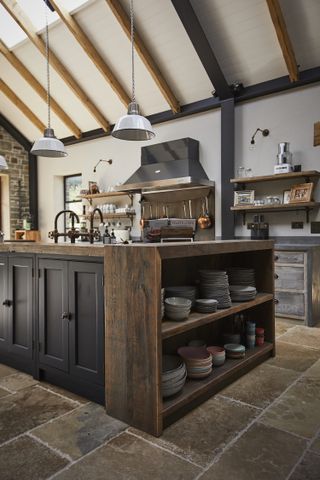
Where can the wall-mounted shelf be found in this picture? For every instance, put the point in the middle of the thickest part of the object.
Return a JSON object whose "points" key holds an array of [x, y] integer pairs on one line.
{"points": [[93, 196], [306, 206], [307, 175], [116, 215]]}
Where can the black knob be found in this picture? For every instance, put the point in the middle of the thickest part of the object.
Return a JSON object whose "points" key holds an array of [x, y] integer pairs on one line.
{"points": [[276, 258], [276, 301], [7, 303], [276, 276], [66, 316]]}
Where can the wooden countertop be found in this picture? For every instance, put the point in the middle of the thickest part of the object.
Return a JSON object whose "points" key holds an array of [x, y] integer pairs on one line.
{"points": [[78, 249]]}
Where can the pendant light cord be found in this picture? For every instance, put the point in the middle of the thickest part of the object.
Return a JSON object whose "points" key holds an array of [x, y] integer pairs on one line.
{"points": [[48, 68], [132, 52]]}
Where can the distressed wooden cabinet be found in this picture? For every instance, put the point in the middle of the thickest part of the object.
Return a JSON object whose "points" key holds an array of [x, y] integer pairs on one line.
{"points": [[297, 283]]}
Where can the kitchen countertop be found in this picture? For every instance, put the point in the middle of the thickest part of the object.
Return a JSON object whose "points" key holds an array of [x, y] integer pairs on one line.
{"points": [[296, 247], [79, 249]]}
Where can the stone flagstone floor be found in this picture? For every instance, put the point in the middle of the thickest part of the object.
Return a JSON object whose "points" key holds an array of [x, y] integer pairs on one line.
{"points": [[266, 426]]}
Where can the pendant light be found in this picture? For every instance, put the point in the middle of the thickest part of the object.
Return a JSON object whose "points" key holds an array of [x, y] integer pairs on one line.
{"points": [[3, 163], [133, 126], [48, 145]]}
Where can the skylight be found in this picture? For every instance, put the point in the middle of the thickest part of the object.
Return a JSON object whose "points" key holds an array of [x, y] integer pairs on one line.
{"points": [[12, 34]]}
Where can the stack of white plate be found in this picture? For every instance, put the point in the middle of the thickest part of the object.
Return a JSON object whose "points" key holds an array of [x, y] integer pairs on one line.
{"points": [[214, 284], [206, 305], [174, 374], [162, 302], [198, 361], [241, 276], [242, 293], [184, 291], [177, 308]]}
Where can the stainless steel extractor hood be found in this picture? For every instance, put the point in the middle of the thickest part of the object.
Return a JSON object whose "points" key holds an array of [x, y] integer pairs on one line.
{"points": [[168, 165]]}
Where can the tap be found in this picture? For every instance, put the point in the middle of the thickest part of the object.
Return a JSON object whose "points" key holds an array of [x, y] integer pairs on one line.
{"points": [[92, 234], [72, 233]]}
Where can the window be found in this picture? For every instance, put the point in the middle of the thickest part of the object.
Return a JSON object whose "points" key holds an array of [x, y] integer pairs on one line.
{"points": [[72, 186]]}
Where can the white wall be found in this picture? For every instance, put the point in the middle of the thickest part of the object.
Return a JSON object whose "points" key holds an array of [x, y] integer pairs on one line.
{"points": [[289, 117], [82, 157]]}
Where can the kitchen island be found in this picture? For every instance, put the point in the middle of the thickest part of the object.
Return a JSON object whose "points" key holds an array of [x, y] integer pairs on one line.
{"points": [[89, 316]]}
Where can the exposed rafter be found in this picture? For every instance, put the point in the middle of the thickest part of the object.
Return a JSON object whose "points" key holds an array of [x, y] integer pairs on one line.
{"points": [[152, 67], [91, 51], [202, 46], [4, 88], [23, 21], [284, 39], [33, 82]]}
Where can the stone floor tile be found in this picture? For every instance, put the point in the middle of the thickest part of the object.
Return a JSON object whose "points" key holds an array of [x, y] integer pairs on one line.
{"points": [[283, 325], [261, 386], [298, 409], [27, 409], [293, 357], [262, 453], [80, 432], [17, 381], [5, 371], [129, 458], [26, 459], [313, 372], [304, 336], [64, 393], [4, 393], [315, 447], [203, 432], [308, 469]]}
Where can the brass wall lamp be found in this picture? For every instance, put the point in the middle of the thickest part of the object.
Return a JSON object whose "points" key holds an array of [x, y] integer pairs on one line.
{"points": [[265, 132], [101, 160]]}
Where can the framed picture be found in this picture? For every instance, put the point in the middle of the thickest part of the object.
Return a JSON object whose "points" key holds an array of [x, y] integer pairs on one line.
{"points": [[244, 197], [301, 193], [93, 187], [286, 196]]}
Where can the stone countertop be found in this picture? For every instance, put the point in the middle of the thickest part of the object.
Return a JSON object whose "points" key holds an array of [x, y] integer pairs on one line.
{"points": [[296, 247], [78, 249]]}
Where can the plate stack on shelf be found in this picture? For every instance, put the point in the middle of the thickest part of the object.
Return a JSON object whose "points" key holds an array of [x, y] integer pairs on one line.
{"points": [[242, 293], [184, 291], [206, 305], [241, 276], [235, 350], [177, 308], [198, 361], [214, 284], [174, 375]]}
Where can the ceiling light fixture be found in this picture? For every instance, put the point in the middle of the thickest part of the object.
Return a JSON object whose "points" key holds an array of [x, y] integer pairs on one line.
{"points": [[3, 163], [133, 126], [48, 145]]}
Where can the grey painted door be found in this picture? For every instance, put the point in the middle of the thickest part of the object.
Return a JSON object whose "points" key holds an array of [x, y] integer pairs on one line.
{"points": [[86, 321], [3, 306], [20, 310], [53, 310]]}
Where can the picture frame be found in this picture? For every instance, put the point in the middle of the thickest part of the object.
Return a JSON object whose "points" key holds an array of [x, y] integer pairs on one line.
{"points": [[243, 197], [301, 193], [93, 188], [286, 197]]}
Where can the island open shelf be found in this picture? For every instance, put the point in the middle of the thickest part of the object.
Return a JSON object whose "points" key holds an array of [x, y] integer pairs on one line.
{"points": [[136, 337]]}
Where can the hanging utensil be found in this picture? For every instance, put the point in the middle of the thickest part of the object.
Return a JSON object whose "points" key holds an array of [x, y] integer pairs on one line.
{"points": [[142, 220], [204, 220], [184, 209], [190, 208]]}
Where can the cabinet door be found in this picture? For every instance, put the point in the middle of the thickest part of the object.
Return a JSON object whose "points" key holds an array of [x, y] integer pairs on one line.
{"points": [[290, 304], [53, 304], [20, 311], [87, 321], [289, 278], [289, 257], [3, 308]]}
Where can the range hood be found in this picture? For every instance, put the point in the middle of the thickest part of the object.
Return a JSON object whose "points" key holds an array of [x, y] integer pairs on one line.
{"points": [[168, 165]]}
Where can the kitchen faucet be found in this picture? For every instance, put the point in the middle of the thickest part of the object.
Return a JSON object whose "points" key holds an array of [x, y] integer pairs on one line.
{"points": [[72, 233]]}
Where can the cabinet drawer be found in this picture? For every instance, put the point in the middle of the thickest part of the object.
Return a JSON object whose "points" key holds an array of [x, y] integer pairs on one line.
{"points": [[289, 278], [289, 257], [290, 304]]}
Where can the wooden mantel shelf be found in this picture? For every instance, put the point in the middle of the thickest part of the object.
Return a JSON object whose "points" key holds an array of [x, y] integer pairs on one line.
{"points": [[279, 176]]}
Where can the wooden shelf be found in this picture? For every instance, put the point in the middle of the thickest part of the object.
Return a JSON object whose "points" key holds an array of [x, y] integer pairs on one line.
{"points": [[197, 388], [92, 196], [115, 215], [170, 328], [280, 176], [275, 208]]}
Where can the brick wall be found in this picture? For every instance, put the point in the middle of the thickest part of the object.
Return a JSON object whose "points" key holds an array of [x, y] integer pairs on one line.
{"points": [[17, 159]]}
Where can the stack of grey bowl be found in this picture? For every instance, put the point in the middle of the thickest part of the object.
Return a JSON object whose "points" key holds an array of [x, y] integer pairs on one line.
{"points": [[214, 284], [174, 375], [242, 293], [241, 276], [177, 308], [184, 291]]}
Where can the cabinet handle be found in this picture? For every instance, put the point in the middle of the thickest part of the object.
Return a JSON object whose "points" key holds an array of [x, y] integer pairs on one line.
{"points": [[276, 258], [276, 276], [276, 301], [66, 316], [7, 303]]}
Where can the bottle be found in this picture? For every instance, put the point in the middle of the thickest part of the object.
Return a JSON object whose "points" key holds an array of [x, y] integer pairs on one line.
{"points": [[27, 222], [113, 237], [106, 237], [83, 224]]}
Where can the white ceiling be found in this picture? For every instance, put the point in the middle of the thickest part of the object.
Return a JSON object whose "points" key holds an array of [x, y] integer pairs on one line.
{"points": [[240, 32]]}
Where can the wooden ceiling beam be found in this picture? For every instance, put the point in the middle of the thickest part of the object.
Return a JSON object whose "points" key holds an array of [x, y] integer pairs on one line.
{"points": [[146, 57], [91, 51], [23, 21], [283, 39], [4, 88], [202, 47], [37, 87]]}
